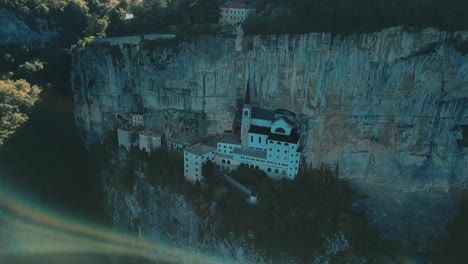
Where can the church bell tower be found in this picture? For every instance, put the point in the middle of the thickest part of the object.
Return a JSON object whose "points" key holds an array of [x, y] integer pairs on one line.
{"points": [[246, 115]]}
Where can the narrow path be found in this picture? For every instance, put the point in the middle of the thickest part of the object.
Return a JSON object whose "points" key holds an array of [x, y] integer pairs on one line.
{"points": [[251, 194]]}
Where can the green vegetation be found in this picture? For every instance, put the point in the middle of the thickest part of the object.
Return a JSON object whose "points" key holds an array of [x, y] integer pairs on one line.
{"points": [[452, 249], [462, 47], [348, 17], [47, 160], [16, 100]]}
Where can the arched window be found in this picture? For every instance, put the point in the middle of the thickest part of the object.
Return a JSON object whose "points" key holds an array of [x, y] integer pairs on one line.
{"points": [[251, 166], [228, 162], [257, 167], [280, 130], [284, 172], [223, 161], [269, 169], [276, 170], [246, 112]]}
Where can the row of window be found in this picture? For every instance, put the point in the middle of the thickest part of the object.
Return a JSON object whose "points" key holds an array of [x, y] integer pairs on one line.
{"points": [[234, 11]]}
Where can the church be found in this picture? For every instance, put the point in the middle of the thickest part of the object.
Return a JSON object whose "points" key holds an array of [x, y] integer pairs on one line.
{"points": [[269, 141]]}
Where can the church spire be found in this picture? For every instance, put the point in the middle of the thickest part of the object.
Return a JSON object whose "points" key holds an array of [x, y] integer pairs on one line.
{"points": [[247, 95]]}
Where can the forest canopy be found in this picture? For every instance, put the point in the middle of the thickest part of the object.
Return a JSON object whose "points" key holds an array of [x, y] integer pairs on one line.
{"points": [[16, 99], [100, 18]]}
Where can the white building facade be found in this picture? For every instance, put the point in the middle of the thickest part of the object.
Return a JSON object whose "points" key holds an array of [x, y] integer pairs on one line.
{"points": [[137, 120], [124, 138], [269, 142], [232, 13], [194, 158], [149, 140]]}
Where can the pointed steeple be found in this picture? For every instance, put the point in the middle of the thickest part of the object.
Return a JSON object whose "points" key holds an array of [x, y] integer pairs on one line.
{"points": [[247, 95]]}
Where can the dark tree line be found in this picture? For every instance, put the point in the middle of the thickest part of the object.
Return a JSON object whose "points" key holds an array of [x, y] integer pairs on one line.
{"points": [[353, 16]]}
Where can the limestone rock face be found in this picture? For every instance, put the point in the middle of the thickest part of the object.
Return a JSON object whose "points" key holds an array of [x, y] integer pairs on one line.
{"points": [[15, 31], [388, 106]]}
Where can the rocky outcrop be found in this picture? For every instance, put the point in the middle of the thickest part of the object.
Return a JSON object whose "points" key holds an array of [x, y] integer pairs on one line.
{"points": [[16, 31], [387, 106]]}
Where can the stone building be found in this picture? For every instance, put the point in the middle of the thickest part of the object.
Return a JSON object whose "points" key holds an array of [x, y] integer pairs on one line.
{"points": [[194, 158], [232, 13], [269, 142], [137, 120], [149, 140], [124, 137]]}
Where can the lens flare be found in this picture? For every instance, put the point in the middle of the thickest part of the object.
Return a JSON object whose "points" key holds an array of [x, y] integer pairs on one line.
{"points": [[28, 230]]}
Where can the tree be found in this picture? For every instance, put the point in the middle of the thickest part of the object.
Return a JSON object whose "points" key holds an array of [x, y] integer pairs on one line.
{"points": [[208, 171], [16, 99]]}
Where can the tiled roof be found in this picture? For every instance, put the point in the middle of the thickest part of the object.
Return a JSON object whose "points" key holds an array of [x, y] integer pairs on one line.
{"points": [[230, 139], [259, 130], [264, 114], [237, 5], [199, 149], [256, 153], [149, 133]]}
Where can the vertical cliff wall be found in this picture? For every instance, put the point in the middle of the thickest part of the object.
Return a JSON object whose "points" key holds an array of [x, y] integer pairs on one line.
{"points": [[388, 106], [15, 31]]}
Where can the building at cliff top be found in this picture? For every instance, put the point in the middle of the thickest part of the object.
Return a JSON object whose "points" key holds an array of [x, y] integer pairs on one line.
{"points": [[269, 141], [232, 13]]}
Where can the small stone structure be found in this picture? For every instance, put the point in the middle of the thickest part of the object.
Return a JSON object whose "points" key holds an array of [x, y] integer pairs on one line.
{"points": [[149, 140]]}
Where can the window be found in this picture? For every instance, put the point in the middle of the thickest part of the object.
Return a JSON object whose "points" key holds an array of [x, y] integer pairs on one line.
{"points": [[271, 149], [280, 130], [224, 146], [197, 175], [196, 163], [276, 170], [186, 166], [277, 150], [196, 169], [186, 171], [223, 161], [285, 151], [251, 139], [259, 140], [257, 167], [269, 169], [228, 162], [186, 159], [230, 147]]}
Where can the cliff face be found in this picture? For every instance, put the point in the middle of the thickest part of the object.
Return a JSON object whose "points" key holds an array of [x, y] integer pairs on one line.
{"points": [[16, 31], [389, 106]]}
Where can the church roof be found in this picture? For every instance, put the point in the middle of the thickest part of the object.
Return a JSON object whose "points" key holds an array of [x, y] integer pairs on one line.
{"points": [[259, 130], [293, 138], [286, 119], [264, 114]]}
